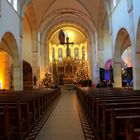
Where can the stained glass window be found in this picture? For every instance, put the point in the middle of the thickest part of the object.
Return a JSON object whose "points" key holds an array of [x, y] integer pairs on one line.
{"points": [[60, 54], [53, 55], [76, 54], [83, 53]]}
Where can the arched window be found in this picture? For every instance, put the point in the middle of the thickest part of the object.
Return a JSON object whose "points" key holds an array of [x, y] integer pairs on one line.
{"points": [[53, 55], [13, 3], [83, 53], [60, 54], [76, 53]]}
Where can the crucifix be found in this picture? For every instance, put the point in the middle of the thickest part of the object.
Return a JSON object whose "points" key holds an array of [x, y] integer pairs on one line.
{"points": [[67, 45], [62, 41]]}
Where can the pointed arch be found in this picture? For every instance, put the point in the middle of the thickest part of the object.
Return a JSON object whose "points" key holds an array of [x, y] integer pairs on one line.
{"points": [[122, 42], [27, 76], [9, 45]]}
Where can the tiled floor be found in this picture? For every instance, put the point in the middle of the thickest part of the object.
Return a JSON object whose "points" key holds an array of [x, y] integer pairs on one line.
{"points": [[64, 122]]}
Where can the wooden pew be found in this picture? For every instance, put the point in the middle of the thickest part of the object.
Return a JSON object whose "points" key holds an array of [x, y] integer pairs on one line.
{"points": [[18, 118], [24, 110], [133, 129], [92, 101], [118, 121], [5, 131], [97, 106], [110, 103], [106, 115]]}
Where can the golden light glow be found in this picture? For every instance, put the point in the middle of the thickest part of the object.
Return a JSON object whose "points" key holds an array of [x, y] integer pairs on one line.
{"points": [[70, 34], [0, 84], [75, 36], [4, 70], [72, 48]]}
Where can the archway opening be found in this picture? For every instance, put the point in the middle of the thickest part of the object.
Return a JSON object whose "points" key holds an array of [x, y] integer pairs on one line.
{"points": [[126, 66], [10, 62], [27, 76], [122, 60], [6, 70], [65, 57]]}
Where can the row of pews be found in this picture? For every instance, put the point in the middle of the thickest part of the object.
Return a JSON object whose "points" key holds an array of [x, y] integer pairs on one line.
{"points": [[21, 110], [114, 114]]}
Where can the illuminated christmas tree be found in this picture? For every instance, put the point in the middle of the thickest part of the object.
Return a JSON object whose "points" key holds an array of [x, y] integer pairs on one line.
{"points": [[46, 80], [81, 73]]}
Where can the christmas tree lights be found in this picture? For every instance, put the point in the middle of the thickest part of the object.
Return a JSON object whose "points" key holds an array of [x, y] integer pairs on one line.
{"points": [[81, 72]]}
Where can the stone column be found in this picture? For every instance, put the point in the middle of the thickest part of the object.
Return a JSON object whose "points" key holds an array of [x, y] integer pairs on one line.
{"points": [[135, 49], [100, 51], [18, 83], [90, 59], [35, 60], [117, 72]]}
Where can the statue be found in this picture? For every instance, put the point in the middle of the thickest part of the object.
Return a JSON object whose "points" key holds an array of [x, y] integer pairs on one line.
{"points": [[61, 37]]}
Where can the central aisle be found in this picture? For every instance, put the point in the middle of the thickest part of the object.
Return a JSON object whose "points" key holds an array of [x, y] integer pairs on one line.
{"points": [[64, 122]]}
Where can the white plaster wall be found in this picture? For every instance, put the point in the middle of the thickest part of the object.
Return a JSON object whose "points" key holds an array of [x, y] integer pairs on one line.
{"points": [[108, 50], [127, 17], [136, 13], [120, 19], [10, 22], [107, 47], [27, 42]]}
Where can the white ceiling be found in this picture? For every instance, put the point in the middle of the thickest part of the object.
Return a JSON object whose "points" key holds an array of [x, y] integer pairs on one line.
{"points": [[44, 14]]}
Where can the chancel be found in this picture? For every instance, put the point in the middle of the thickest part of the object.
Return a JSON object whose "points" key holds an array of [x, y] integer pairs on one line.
{"points": [[68, 50]]}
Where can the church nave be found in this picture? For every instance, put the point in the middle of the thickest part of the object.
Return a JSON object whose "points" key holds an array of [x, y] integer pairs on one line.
{"points": [[64, 122]]}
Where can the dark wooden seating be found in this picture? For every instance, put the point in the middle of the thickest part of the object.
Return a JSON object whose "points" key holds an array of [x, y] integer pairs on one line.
{"points": [[106, 115], [98, 105], [4, 124], [21, 110], [133, 129], [118, 121]]}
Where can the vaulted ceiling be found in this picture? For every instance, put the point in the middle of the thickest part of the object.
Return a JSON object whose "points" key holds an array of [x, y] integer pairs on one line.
{"points": [[44, 14]]}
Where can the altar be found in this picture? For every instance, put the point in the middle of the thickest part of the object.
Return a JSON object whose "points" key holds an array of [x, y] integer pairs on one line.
{"points": [[65, 72], [68, 82]]}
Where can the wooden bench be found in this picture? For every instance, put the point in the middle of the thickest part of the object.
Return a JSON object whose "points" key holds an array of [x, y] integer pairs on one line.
{"points": [[98, 103], [5, 132], [23, 110], [118, 121], [133, 129], [106, 115]]}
